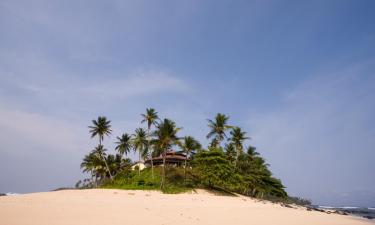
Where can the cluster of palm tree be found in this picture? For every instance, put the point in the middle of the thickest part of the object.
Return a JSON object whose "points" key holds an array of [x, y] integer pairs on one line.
{"points": [[218, 129], [254, 178], [251, 173], [158, 139]]}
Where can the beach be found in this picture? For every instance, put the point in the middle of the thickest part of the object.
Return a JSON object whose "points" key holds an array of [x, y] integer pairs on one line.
{"points": [[120, 207]]}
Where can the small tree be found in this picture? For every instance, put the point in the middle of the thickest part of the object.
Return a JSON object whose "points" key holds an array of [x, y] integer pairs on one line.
{"points": [[188, 146]]}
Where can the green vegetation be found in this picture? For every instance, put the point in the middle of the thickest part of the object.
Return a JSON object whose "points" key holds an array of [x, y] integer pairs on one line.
{"points": [[226, 164], [131, 180]]}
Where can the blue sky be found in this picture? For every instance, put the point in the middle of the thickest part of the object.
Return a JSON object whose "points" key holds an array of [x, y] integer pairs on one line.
{"points": [[298, 76]]}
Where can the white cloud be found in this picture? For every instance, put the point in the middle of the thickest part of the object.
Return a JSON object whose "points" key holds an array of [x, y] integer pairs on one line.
{"points": [[139, 83], [37, 130]]}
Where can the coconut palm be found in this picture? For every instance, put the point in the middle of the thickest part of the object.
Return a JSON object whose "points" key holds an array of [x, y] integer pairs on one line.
{"points": [[140, 144], [165, 136], [99, 152], [100, 128], [237, 138], [150, 118], [124, 144], [230, 152], [251, 152], [214, 143], [218, 128], [115, 163], [90, 164], [188, 146]]}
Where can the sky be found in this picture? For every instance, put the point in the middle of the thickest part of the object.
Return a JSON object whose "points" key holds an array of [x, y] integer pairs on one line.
{"points": [[297, 76]]}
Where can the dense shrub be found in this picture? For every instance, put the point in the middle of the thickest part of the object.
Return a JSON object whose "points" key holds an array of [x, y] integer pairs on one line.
{"points": [[214, 170]]}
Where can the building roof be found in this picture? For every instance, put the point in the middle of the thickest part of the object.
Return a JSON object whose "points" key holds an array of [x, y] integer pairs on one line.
{"points": [[171, 156]]}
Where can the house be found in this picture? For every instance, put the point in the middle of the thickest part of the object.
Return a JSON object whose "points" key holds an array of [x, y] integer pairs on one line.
{"points": [[172, 158], [137, 165]]}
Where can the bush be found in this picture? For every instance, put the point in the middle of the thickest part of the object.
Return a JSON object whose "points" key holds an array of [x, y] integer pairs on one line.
{"points": [[298, 201], [211, 169], [131, 180], [214, 170]]}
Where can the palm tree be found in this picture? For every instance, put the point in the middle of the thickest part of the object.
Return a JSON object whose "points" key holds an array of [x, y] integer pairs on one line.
{"points": [[218, 128], [237, 138], [165, 137], [252, 153], [90, 164], [188, 146], [101, 127], [124, 144], [151, 118], [214, 143], [140, 144], [230, 152], [115, 163], [99, 152]]}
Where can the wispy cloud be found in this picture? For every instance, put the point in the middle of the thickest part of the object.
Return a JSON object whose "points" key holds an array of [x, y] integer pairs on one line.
{"points": [[36, 130], [139, 83]]}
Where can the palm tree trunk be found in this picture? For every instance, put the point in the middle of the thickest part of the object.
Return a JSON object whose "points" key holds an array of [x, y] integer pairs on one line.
{"points": [[106, 164], [139, 163], [185, 170], [105, 161], [148, 145], [237, 154], [92, 177], [163, 171]]}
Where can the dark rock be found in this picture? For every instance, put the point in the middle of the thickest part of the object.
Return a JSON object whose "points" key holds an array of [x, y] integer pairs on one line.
{"points": [[369, 217], [341, 212], [286, 205]]}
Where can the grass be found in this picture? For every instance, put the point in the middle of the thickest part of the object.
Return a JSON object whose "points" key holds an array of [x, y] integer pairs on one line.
{"points": [[131, 180]]}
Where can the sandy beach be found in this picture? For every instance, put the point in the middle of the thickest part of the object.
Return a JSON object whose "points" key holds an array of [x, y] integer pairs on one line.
{"points": [[115, 207]]}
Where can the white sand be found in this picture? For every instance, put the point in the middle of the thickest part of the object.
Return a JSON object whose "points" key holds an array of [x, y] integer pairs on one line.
{"points": [[115, 207]]}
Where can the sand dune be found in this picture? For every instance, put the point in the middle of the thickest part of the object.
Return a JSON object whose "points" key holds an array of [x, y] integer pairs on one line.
{"points": [[119, 207]]}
